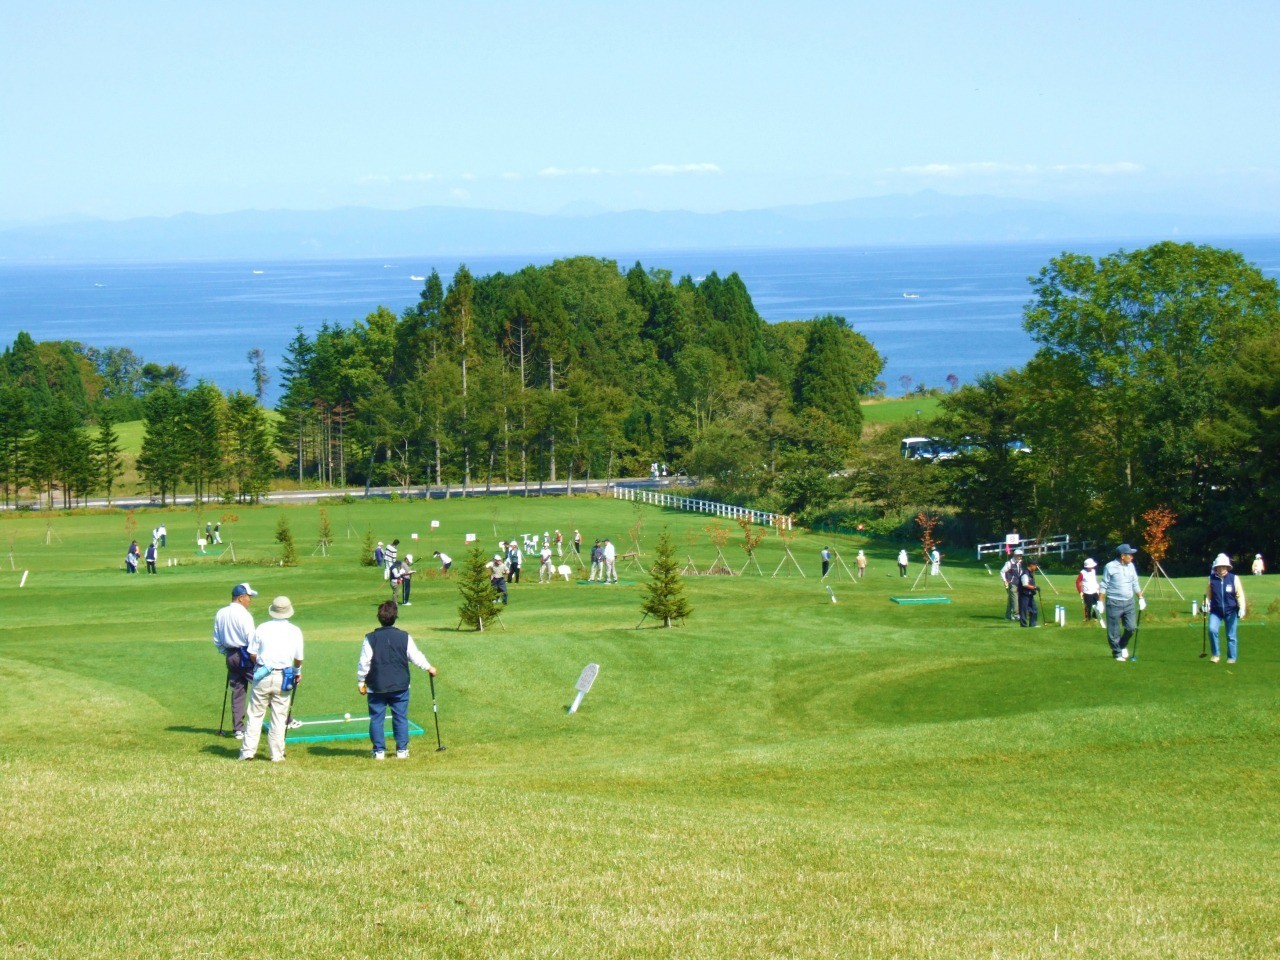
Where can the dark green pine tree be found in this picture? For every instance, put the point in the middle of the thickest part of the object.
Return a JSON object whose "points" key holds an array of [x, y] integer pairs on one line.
{"points": [[476, 591], [664, 593], [284, 537]]}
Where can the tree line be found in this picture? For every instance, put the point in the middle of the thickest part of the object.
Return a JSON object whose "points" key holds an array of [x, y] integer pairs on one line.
{"points": [[1155, 385]]}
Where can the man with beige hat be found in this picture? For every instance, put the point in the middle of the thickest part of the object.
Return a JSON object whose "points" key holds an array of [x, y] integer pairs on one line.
{"points": [[276, 651]]}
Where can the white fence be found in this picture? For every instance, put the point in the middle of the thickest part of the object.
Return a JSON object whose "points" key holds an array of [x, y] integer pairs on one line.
{"points": [[676, 502], [1061, 545]]}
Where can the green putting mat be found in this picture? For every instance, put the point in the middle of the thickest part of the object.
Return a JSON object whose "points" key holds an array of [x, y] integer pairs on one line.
{"points": [[326, 729], [913, 600]]}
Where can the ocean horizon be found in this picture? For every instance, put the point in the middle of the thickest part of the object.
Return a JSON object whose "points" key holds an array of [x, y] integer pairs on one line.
{"points": [[931, 311]]}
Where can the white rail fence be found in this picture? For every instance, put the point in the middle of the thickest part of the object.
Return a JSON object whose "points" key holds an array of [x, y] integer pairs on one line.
{"points": [[1061, 545], [675, 502]]}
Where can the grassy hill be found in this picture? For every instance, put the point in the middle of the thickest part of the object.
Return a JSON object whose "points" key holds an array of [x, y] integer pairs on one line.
{"points": [[783, 776]]}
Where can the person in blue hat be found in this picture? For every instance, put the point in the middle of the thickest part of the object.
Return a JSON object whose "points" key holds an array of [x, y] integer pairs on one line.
{"points": [[1120, 596]]}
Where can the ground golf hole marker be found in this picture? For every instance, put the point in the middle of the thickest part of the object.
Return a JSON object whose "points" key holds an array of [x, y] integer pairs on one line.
{"points": [[24, 578], [831, 593], [584, 684]]}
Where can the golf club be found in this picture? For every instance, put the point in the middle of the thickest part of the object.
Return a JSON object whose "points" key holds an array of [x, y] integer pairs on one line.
{"points": [[435, 713], [1133, 657], [223, 719], [1204, 633]]}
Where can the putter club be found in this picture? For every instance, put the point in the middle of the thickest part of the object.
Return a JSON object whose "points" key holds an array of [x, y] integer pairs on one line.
{"points": [[223, 719], [1204, 634], [1133, 657], [435, 713]]}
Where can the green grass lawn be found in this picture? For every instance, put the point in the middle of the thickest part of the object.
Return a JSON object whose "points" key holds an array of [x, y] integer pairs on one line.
{"points": [[780, 777], [900, 409]]}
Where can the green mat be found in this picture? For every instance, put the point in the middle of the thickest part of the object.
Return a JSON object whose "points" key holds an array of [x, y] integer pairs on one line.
{"points": [[330, 728], [911, 600]]}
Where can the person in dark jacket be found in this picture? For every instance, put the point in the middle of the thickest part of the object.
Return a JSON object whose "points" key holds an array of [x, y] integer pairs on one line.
{"points": [[383, 676], [1225, 601], [1029, 596]]}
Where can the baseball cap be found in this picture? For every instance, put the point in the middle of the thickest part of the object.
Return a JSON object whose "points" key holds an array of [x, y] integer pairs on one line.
{"points": [[243, 590]]}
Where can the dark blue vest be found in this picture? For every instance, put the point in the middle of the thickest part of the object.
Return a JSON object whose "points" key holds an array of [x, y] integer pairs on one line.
{"points": [[1222, 601], [389, 671]]}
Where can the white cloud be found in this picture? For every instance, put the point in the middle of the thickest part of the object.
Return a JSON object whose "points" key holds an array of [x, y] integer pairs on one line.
{"points": [[577, 172], [418, 177], [672, 169], [373, 178]]}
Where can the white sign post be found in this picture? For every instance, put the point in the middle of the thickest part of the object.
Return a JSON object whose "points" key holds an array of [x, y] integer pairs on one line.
{"points": [[584, 684]]}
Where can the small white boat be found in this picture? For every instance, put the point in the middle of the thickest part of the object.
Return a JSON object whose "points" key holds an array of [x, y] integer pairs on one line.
{"points": [[257, 272], [412, 277], [911, 296]]}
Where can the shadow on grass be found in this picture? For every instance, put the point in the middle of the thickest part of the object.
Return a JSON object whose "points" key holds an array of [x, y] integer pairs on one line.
{"points": [[323, 750]]}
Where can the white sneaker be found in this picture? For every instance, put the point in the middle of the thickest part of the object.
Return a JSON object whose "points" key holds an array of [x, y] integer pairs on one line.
{"points": [[239, 734], [245, 756], [294, 724], [1214, 659], [379, 755], [402, 754], [1124, 653], [1231, 660]]}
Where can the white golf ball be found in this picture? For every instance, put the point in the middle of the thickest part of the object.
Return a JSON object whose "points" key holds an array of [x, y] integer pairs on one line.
{"points": [[346, 716]]}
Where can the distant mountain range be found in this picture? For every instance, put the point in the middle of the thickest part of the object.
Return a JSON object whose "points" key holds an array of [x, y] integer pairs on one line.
{"points": [[348, 232]]}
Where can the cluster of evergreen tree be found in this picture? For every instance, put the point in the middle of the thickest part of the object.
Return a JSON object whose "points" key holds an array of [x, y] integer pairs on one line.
{"points": [[572, 370], [59, 405]]}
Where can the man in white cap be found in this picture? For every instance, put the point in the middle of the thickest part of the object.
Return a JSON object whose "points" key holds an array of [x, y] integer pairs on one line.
{"points": [[1224, 599], [1120, 595], [232, 632], [276, 650], [1087, 587], [1011, 574]]}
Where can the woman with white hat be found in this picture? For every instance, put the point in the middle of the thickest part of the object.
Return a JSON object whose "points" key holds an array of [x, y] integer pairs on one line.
{"points": [[1087, 585], [1224, 599]]}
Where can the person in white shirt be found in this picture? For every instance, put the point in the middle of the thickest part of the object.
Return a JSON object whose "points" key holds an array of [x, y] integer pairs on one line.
{"points": [[232, 633], [1087, 584], [446, 561], [903, 560], [276, 648], [1120, 593], [610, 562], [545, 571]]}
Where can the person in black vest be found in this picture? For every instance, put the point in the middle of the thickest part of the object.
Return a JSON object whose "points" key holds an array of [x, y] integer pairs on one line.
{"points": [[1029, 596], [383, 676]]}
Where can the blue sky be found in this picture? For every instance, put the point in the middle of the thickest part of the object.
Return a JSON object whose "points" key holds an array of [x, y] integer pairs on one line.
{"points": [[127, 109]]}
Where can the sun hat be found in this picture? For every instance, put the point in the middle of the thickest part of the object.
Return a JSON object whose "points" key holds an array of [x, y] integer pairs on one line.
{"points": [[1090, 563], [280, 609], [1222, 560], [1125, 548], [243, 590], [408, 558]]}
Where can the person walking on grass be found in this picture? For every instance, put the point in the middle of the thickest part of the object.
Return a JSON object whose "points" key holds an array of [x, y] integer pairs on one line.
{"points": [[514, 562], [1087, 587], [1258, 566], [382, 675], [1225, 601], [862, 564], [151, 557], [577, 544], [498, 576], [903, 560], [389, 554], [1120, 596], [233, 631], [276, 651], [826, 561]]}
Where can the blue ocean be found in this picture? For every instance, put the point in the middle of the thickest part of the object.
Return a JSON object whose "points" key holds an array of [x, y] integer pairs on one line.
{"points": [[930, 311]]}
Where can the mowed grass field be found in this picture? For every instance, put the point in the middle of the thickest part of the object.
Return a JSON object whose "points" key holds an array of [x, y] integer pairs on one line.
{"points": [[782, 776]]}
